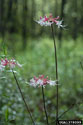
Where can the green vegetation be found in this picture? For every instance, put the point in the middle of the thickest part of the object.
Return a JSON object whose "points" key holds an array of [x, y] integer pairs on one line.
{"points": [[38, 59], [32, 46]]}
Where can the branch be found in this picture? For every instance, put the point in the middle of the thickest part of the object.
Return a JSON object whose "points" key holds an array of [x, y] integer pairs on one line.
{"points": [[72, 106], [28, 110]]}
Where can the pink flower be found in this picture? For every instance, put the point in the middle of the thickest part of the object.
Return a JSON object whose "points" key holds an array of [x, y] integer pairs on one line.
{"points": [[43, 22], [4, 62], [12, 63], [9, 63], [48, 21], [41, 81]]}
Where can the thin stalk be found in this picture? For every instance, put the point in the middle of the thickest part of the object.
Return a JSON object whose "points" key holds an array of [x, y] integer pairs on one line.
{"points": [[28, 110], [45, 106], [71, 107], [66, 111], [56, 66]]}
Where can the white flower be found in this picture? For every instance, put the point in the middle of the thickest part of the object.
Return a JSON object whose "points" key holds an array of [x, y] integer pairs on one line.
{"points": [[8, 63], [59, 24], [49, 20], [52, 83], [41, 81], [33, 83], [44, 23], [2, 68], [18, 64], [12, 65]]}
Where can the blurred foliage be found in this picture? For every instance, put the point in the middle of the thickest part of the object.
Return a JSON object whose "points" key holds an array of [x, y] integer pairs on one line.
{"points": [[17, 28], [18, 18], [39, 59]]}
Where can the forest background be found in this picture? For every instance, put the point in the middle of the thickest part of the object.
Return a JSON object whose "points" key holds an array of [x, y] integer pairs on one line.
{"points": [[31, 44]]}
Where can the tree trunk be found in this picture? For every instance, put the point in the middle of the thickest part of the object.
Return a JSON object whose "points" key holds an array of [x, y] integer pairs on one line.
{"points": [[43, 13], [33, 11], [10, 16], [62, 17], [24, 24], [75, 21], [56, 8], [2, 21], [15, 16]]}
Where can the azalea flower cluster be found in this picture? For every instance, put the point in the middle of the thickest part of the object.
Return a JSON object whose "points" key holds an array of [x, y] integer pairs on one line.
{"points": [[41, 81], [48, 21], [8, 63]]}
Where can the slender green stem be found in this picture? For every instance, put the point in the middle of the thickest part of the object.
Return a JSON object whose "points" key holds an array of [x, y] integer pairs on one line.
{"points": [[45, 105], [28, 110], [56, 65]]}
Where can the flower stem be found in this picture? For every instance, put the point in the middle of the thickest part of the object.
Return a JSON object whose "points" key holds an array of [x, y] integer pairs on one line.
{"points": [[28, 110], [57, 93], [44, 105]]}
